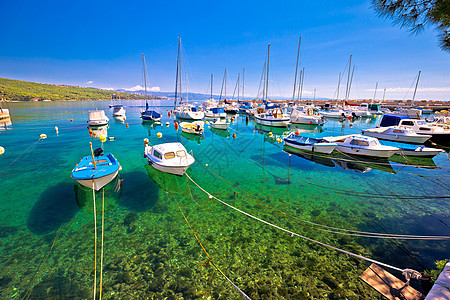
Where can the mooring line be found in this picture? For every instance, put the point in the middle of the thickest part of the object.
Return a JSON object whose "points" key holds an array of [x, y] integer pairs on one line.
{"points": [[404, 271], [339, 230], [209, 261], [32, 145]]}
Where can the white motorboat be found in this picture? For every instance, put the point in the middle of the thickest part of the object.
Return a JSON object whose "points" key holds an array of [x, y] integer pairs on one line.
{"points": [[4, 113], [118, 111], [273, 117], [413, 113], [170, 158], [196, 127], [97, 118], [215, 112], [420, 151], [306, 116], [220, 124], [397, 134], [362, 145], [309, 144], [335, 114], [188, 112]]}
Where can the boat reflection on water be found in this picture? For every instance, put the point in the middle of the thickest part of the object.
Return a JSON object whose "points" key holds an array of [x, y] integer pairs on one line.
{"points": [[168, 182], [111, 192], [98, 131], [119, 119], [5, 124], [304, 128], [192, 137], [346, 162], [220, 132], [414, 161], [278, 131]]}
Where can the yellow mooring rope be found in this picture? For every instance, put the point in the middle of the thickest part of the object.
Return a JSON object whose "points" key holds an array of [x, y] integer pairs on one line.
{"points": [[209, 261]]}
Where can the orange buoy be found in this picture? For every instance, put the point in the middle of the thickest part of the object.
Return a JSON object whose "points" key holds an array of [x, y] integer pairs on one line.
{"points": [[296, 133], [234, 135], [71, 120], [168, 114], [171, 111], [176, 126], [127, 125]]}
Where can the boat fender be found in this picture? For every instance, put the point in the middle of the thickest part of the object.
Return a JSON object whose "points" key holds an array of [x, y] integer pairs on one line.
{"points": [[111, 138], [43, 136], [159, 135], [98, 152], [2, 150]]}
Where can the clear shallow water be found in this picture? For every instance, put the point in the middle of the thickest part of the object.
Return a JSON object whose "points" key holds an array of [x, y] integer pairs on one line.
{"points": [[47, 226]]}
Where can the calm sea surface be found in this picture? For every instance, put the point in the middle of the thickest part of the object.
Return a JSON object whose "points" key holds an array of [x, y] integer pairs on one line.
{"points": [[150, 250]]}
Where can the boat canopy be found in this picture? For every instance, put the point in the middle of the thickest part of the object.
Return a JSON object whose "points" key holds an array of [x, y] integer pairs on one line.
{"points": [[391, 120]]}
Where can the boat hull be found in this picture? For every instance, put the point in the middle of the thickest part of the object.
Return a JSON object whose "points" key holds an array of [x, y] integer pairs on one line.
{"points": [[366, 152], [397, 138], [325, 148], [190, 115], [273, 122], [96, 123], [99, 183], [175, 170], [308, 120]]}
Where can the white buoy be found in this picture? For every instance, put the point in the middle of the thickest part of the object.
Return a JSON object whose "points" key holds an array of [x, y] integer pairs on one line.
{"points": [[2, 150], [43, 136], [56, 129]]}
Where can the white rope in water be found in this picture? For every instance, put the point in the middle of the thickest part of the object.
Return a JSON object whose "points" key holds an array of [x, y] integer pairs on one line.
{"points": [[95, 232], [296, 234], [101, 255]]}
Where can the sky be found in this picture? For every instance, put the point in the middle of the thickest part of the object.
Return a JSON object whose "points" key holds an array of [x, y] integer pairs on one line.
{"points": [[100, 44]]}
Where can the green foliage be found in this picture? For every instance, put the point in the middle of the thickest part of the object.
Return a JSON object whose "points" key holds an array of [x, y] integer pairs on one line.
{"points": [[16, 90], [440, 264], [416, 14]]}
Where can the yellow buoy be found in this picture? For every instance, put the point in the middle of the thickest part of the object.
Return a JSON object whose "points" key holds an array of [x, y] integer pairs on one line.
{"points": [[103, 138], [2, 150], [270, 133], [279, 140], [167, 124], [43, 136], [159, 135], [145, 140]]}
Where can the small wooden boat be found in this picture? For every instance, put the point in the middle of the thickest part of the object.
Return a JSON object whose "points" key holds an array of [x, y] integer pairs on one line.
{"points": [[96, 173], [357, 144], [170, 158], [196, 127], [397, 134], [97, 118], [309, 144]]}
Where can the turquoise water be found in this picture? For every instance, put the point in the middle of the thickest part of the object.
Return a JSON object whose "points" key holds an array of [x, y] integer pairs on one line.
{"points": [[47, 221]]}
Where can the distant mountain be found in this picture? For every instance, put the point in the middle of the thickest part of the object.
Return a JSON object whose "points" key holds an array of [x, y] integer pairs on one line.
{"points": [[198, 96]]}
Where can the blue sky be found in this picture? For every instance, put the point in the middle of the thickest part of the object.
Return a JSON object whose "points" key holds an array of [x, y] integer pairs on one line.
{"points": [[100, 43]]}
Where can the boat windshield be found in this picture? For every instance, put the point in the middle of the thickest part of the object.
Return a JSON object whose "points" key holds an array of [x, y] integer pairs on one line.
{"points": [[181, 153], [421, 123], [169, 155]]}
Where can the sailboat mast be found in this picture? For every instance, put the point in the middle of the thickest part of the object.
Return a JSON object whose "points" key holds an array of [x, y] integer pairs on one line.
{"points": [[225, 79], [339, 85], [238, 84], [145, 78], [351, 80], [211, 85], [267, 76], [243, 77], [374, 94], [348, 77], [176, 82], [179, 73], [384, 93], [185, 80], [296, 69], [415, 89]]}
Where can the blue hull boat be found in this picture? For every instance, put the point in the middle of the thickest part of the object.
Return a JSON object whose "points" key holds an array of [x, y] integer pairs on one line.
{"points": [[107, 168]]}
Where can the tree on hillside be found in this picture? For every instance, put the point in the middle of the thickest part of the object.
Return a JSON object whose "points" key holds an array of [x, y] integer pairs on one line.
{"points": [[417, 14]]}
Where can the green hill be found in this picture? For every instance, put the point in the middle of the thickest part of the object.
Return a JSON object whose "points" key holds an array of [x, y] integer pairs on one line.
{"points": [[17, 90]]}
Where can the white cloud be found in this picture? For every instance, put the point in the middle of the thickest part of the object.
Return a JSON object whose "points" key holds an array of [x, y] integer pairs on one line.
{"points": [[141, 88], [90, 82]]}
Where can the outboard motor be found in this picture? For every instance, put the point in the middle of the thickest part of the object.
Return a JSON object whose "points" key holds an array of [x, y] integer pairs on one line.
{"points": [[98, 152]]}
